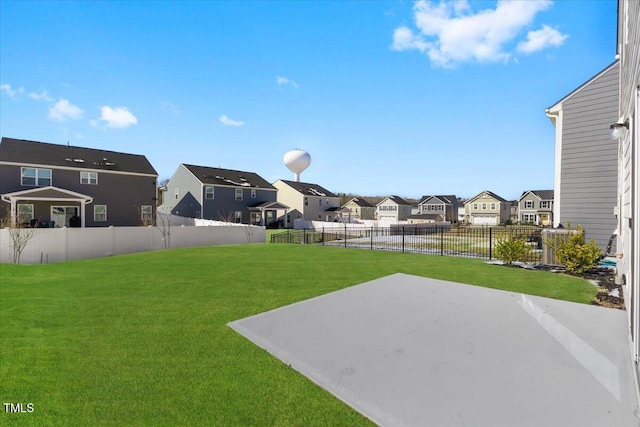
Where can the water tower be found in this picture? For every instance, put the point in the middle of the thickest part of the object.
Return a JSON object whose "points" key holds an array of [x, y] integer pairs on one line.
{"points": [[297, 161]]}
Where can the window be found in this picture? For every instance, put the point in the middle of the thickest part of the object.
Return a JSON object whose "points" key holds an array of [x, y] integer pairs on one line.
{"points": [[238, 193], [100, 213], [176, 192], [25, 213], [475, 206], [253, 193], [238, 214], [209, 192], [493, 206], [36, 177], [528, 204], [306, 201], [484, 206], [319, 202], [528, 218], [545, 204], [89, 178], [146, 212]]}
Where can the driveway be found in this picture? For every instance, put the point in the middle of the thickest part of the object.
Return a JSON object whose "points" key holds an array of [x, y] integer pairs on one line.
{"points": [[412, 351]]}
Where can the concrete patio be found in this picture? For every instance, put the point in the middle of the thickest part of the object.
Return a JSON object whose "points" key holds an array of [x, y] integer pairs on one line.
{"points": [[412, 351]]}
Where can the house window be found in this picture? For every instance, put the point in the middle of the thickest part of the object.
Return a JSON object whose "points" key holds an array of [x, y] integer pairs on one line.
{"points": [[176, 192], [545, 204], [25, 213], [100, 213], [238, 216], [238, 193], [209, 192], [319, 202], [493, 206], [484, 206], [89, 178], [146, 212], [528, 218], [528, 204], [35, 177], [306, 201], [475, 206], [253, 193]]}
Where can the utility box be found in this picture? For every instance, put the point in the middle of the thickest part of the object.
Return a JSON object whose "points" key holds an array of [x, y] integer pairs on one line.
{"points": [[555, 236]]}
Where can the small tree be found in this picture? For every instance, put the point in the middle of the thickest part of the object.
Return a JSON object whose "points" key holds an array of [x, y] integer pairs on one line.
{"points": [[163, 224], [574, 253], [19, 236], [510, 247]]}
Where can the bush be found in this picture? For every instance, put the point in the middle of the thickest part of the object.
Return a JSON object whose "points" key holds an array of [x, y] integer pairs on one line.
{"points": [[577, 255], [510, 248]]}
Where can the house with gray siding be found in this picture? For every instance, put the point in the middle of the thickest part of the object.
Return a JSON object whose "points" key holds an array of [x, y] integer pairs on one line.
{"points": [[445, 206], [53, 185], [586, 159], [536, 207], [222, 195], [487, 208], [358, 208], [627, 141], [393, 209]]}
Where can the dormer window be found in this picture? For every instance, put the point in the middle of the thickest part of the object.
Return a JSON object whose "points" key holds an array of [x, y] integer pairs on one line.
{"points": [[35, 177]]}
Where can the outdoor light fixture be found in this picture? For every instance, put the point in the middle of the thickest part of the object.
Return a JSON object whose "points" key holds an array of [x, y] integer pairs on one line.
{"points": [[617, 129]]}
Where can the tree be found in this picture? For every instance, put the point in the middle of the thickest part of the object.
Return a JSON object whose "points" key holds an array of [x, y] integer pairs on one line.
{"points": [[19, 236]]}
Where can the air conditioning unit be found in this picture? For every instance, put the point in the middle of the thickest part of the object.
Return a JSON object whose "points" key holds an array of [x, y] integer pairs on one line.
{"points": [[551, 238]]}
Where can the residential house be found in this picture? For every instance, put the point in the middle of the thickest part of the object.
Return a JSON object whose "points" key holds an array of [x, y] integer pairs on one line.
{"points": [[445, 206], [487, 208], [425, 218], [307, 201], [462, 215], [513, 212], [53, 185], [586, 159], [393, 209], [358, 208], [627, 131], [221, 194], [536, 207]]}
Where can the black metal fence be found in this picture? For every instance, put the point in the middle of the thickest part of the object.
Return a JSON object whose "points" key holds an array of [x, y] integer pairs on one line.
{"points": [[469, 242]]}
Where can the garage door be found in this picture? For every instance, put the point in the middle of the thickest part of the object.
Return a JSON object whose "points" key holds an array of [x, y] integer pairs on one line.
{"points": [[485, 220]]}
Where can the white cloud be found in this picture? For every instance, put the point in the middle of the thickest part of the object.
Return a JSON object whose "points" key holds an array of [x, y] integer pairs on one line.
{"points": [[6, 88], [64, 110], [228, 122], [284, 81], [42, 96], [451, 33], [117, 118], [541, 39]]}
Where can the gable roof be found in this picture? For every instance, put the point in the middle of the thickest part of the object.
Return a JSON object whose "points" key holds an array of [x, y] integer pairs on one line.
{"points": [[360, 202], [228, 177], [309, 189], [488, 193], [397, 199], [541, 194], [445, 199], [583, 85], [47, 154]]}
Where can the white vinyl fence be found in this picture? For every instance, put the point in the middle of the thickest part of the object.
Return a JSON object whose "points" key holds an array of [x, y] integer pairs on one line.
{"points": [[50, 245]]}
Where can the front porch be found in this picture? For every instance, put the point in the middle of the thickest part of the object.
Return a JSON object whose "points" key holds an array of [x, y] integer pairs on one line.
{"points": [[266, 214], [47, 207]]}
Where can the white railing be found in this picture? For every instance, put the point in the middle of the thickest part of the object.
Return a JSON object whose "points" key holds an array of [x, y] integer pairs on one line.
{"points": [[50, 245]]}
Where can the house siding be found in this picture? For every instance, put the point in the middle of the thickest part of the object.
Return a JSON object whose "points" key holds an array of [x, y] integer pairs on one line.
{"points": [[588, 174], [189, 199], [628, 268], [313, 211], [122, 193]]}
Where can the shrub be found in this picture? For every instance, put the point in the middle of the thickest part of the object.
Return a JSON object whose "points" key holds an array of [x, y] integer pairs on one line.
{"points": [[510, 248], [577, 255]]}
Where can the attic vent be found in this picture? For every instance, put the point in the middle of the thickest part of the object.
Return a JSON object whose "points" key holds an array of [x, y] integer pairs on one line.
{"points": [[109, 163], [242, 178], [104, 159], [78, 160], [68, 159]]}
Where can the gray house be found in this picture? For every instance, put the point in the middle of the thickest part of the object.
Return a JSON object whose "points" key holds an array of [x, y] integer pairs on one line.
{"points": [[393, 209], [445, 206], [358, 208], [52, 185], [536, 207], [586, 159], [220, 194]]}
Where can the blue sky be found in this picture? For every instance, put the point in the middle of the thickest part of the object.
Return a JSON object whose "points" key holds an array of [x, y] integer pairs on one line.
{"points": [[388, 97]]}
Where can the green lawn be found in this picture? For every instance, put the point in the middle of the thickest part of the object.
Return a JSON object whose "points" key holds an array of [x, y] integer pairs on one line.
{"points": [[142, 339]]}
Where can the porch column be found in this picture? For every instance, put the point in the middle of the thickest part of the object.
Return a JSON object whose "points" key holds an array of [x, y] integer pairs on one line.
{"points": [[82, 212], [14, 211]]}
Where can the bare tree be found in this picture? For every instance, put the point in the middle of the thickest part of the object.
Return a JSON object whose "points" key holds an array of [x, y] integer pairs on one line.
{"points": [[248, 231], [163, 224], [226, 216], [19, 236]]}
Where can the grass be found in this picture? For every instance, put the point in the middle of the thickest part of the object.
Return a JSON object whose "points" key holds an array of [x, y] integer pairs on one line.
{"points": [[142, 339]]}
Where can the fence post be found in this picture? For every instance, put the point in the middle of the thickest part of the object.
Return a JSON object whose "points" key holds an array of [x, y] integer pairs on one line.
{"points": [[304, 236], [403, 238], [441, 241], [322, 236], [371, 244], [490, 243]]}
